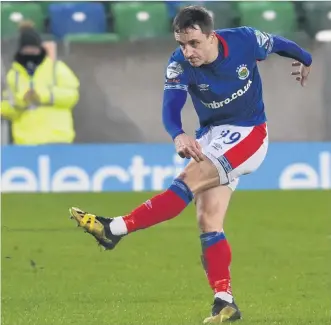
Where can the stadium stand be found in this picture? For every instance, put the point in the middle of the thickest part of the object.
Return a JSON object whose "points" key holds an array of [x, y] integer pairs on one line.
{"points": [[146, 19], [269, 16], [108, 21], [318, 16], [75, 18], [12, 13], [225, 13]]}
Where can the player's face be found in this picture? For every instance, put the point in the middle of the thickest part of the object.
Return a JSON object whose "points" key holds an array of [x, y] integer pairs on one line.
{"points": [[196, 45]]}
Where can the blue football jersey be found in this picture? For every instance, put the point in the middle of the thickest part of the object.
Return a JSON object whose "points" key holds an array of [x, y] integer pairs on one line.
{"points": [[228, 90]]}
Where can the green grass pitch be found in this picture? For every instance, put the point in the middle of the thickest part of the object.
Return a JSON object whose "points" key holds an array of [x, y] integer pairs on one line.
{"points": [[54, 274]]}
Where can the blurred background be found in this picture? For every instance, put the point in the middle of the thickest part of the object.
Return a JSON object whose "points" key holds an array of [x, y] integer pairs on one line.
{"points": [[121, 65]]}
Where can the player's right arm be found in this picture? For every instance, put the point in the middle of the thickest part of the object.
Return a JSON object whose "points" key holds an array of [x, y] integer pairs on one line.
{"points": [[174, 98]]}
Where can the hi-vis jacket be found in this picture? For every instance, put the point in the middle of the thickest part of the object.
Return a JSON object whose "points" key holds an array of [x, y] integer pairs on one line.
{"points": [[51, 121]]}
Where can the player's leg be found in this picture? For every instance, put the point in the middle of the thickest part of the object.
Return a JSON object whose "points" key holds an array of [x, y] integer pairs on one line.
{"points": [[195, 178], [235, 151], [216, 252]]}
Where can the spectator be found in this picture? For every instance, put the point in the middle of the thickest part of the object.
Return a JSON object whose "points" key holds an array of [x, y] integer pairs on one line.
{"points": [[40, 95]]}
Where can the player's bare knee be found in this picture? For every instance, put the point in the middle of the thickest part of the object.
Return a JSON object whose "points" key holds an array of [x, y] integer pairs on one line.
{"points": [[191, 175], [199, 176]]}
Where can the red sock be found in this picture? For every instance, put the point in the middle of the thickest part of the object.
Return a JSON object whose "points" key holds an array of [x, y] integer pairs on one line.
{"points": [[217, 260], [162, 207]]}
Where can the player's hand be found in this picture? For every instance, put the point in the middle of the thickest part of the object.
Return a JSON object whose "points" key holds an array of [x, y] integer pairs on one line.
{"points": [[187, 147], [302, 73]]}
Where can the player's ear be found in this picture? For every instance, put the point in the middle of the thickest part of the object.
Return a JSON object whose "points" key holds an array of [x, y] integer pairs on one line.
{"points": [[212, 37]]}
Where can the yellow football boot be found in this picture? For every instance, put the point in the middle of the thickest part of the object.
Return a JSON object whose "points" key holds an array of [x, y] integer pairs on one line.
{"points": [[97, 226]]}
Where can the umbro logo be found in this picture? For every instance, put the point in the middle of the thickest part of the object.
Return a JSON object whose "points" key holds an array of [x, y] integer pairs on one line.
{"points": [[203, 87]]}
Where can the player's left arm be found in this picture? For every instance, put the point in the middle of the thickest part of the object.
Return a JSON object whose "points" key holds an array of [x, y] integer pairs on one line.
{"points": [[266, 44]]}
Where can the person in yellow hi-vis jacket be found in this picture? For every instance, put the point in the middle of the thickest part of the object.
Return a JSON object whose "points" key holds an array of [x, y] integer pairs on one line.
{"points": [[40, 94]]}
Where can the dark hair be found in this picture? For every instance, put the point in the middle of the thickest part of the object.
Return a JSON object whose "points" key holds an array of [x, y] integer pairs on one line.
{"points": [[192, 16]]}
